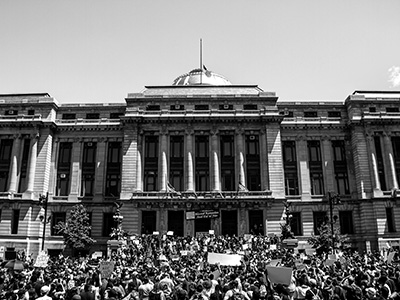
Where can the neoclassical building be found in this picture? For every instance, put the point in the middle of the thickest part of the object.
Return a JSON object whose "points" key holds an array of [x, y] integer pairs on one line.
{"points": [[200, 154]]}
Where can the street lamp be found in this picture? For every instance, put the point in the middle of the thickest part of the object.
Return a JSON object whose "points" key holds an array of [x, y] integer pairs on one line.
{"points": [[333, 199], [43, 200]]}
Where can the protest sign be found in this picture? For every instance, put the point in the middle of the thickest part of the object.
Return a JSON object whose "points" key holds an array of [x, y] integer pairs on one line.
{"points": [[106, 268], [211, 232], [42, 260], [310, 251], [224, 259], [329, 262], [279, 274], [390, 257], [170, 233], [184, 252], [272, 247], [97, 254], [156, 233], [216, 274]]}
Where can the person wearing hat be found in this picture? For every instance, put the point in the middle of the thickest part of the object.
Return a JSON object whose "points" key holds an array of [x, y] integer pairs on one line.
{"points": [[44, 291]]}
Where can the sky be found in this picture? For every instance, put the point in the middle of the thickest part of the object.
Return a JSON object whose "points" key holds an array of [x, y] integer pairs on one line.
{"points": [[98, 51]]}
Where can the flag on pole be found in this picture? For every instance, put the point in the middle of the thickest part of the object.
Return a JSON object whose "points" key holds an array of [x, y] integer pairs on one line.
{"points": [[242, 187], [172, 190]]}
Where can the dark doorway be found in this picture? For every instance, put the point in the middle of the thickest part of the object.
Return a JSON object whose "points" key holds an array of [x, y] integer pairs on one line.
{"points": [[149, 222], [229, 222], [202, 225], [256, 221], [175, 222]]}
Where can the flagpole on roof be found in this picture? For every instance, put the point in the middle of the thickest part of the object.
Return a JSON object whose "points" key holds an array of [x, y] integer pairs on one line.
{"points": [[201, 61]]}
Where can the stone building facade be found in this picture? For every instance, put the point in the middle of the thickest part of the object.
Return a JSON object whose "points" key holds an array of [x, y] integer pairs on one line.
{"points": [[201, 154]]}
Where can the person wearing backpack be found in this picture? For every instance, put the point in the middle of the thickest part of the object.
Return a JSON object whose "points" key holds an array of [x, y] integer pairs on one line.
{"points": [[235, 293]]}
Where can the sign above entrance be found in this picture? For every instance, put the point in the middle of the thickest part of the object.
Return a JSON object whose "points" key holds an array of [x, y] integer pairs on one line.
{"points": [[202, 214]]}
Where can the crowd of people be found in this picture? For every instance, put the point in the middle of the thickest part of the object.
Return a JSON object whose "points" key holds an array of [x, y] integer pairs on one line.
{"points": [[165, 267]]}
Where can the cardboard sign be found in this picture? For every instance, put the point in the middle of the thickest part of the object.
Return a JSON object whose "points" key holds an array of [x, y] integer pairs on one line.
{"points": [[170, 233], [97, 254], [279, 274], [42, 260], [390, 257], [272, 247], [211, 232], [156, 233], [106, 268], [224, 259], [216, 274], [310, 251], [329, 262]]}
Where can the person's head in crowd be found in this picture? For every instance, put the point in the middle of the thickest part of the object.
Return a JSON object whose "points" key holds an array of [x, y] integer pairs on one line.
{"points": [[44, 290]]}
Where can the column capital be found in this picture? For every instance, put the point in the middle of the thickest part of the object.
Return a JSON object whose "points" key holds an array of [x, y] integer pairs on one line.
{"points": [[301, 138], [189, 131], [17, 136], [35, 136]]}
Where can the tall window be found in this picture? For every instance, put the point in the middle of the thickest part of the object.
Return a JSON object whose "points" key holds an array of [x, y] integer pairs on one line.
{"points": [[23, 178], [176, 159], [5, 158], [379, 159], [88, 168], [113, 175], [253, 163], [290, 167], [108, 223], [15, 221], [150, 162], [390, 220], [63, 168], [346, 222], [227, 162], [340, 167], [202, 163], [396, 154], [55, 219], [315, 165], [295, 223], [319, 218]]}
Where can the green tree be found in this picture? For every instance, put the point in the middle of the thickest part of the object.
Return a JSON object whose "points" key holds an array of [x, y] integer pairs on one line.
{"points": [[76, 229], [323, 241]]}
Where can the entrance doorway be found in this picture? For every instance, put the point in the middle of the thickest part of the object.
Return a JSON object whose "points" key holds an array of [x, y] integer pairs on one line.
{"points": [[229, 222], [149, 222], [202, 225], [175, 222], [256, 221]]}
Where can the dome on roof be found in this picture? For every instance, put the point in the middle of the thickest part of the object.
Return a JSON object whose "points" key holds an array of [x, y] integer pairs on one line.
{"points": [[201, 77]]}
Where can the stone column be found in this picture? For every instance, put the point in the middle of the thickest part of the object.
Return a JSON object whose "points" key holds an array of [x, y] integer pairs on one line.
{"points": [[75, 178], [241, 157], [32, 163], [374, 162], [216, 186], [302, 157], [391, 167], [129, 162], [163, 160], [15, 164], [189, 161], [328, 169], [275, 163]]}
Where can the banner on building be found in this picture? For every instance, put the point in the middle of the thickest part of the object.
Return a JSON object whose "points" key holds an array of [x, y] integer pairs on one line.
{"points": [[224, 259], [202, 214]]}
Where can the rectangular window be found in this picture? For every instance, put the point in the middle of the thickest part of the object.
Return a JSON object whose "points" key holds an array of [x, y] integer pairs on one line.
{"points": [[295, 224], [150, 163], [108, 224], [340, 167], [390, 220], [202, 148], [227, 143], [113, 175], [176, 174], [334, 114], [63, 168], [202, 163], [250, 107], [379, 158], [392, 109], [346, 222], [55, 219], [372, 109], [153, 108], [15, 221], [290, 168], [116, 115], [310, 114], [31, 112], [253, 162], [315, 166], [11, 112], [319, 218], [93, 116], [23, 181], [201, 107], [68, 116], [5, 158]]}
